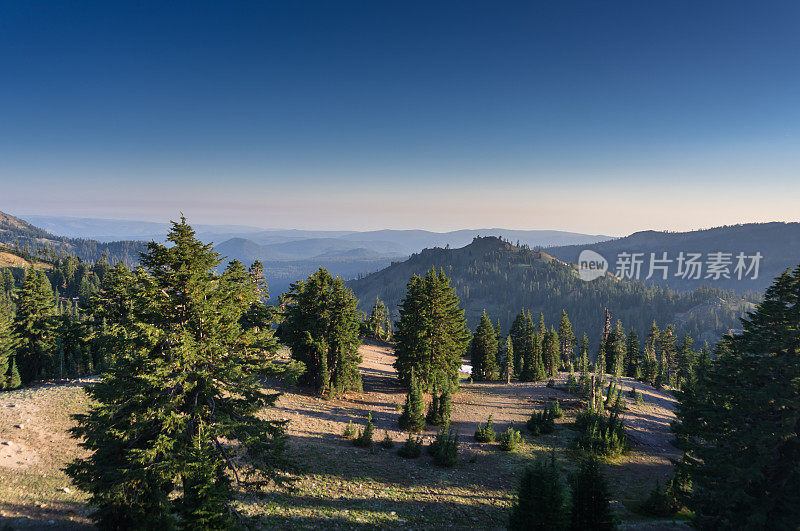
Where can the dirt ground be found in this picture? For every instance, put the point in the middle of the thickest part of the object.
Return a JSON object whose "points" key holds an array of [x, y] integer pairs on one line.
{"points": [[339, 486]]}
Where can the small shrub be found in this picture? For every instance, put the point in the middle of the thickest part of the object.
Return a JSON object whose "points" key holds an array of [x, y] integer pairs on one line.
{"points": [[551, 383], [445, 448], [639, 398], [556, 409], [572, 384], [349, 431], [541, 422], [659, 502], [440, 409], [411, 449], [509, 439], [485, 432], [364, 440], [387, 441]]}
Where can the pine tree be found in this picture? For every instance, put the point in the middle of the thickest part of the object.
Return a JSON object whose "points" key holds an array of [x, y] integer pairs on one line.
{"points": [[35, 326], [667, 351], [590, 498], [540, 498], [432, 334], [519, 335], [483, 351], [684, 361], [8, 345], [550, 353], [508, 359], [633, 357], [412, 418], [614, 351], [378, 325], [187, 379], [651, 355], [739, 421], [321, 328], [566, 338]]}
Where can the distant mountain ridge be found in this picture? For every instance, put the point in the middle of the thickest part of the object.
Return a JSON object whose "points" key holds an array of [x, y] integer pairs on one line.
{"points": [[777, 242]]}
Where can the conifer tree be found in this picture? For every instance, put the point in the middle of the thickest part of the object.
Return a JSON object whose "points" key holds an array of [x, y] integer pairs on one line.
{"points": [[8, 346], [540, 498], [550, 353], [651, 355], [412, 418], [176, 420], [378, 325], [739, 420], [432, 334], [35, 326], [684, 361], [633, 356], [566, 338], [508, 359], [519, 335], [667, 351], [483, 351], [590, 498], [615, 350], [321, 328]]}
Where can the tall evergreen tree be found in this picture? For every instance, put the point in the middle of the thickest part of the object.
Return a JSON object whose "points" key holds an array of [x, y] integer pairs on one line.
{"points": [[519, 335], [739, 420], [633, 356], [650, 371], [684, 361], [321, 328], [615, 350], [432, 335], [550, 353], [483, 350], [378, 324], [507, 357], [176, 420], [667, 351], [566, 338], [9, 374], [35, 327]]}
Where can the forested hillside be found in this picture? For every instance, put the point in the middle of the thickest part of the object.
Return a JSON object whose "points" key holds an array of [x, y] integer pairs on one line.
{"points": [[777, 242], [502, 278], [31, 241]]}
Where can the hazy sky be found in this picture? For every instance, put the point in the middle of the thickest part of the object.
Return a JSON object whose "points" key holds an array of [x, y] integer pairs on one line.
{"points": [[600, 117]]}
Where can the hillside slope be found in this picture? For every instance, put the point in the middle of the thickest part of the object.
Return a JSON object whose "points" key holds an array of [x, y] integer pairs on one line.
{"points": [[502, 278], [15, 232], [778, 243]]}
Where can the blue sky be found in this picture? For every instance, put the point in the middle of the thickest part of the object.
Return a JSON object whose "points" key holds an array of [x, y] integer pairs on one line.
{"points": [[600, 117]]}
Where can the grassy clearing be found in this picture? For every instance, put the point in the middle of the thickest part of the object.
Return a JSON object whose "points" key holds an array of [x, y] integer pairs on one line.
{"points": [[338, 485]]}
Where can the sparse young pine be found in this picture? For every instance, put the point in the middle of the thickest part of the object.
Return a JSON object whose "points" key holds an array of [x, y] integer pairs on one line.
{"points": [[387, 441], [411, 448], [412, 418], [590, 508], [321, 328], [483, 351], [187, 378], [566, 339], [349, 431], [540, 499], [485, 432], [364, 439], [444, 448], [509, 439], [432, 335]]}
